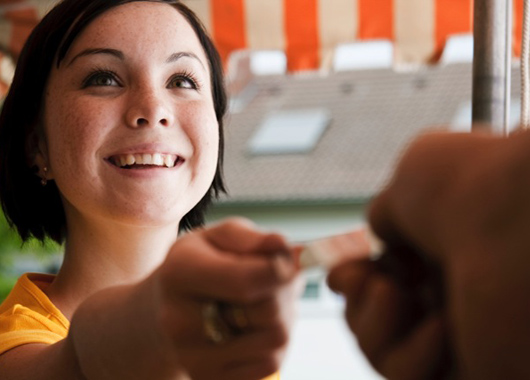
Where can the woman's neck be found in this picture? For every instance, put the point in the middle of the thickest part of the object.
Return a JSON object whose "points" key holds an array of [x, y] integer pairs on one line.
{"points": [[100, 256]]}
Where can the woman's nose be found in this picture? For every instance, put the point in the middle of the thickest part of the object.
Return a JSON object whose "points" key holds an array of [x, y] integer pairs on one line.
{"points": [[148, 108]]}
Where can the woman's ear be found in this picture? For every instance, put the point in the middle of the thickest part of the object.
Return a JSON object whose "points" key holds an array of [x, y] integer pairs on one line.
{"points": [[37, 153]]}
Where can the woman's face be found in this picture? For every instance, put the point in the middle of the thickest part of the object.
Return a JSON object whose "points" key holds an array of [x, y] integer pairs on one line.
{"points": [[131, 132]]}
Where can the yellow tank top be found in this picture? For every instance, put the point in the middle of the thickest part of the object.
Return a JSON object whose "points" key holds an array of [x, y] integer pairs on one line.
{"points": [[28, 316]]}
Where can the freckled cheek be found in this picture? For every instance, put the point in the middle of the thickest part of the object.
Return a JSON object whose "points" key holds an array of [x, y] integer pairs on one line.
{"points": [[206, 140], [71, 141], [203, 131]]}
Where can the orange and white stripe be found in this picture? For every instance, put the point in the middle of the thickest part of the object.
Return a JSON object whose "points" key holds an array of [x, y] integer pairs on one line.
{"points": [[307, 30], [330, 14], [413, 35]]}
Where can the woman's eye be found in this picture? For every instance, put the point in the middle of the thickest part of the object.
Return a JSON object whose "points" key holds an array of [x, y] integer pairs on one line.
{"points": [[182, 82], [101, 80]]}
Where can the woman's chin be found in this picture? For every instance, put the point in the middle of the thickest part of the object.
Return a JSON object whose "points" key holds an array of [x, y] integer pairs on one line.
{"points": [[150, 220]]}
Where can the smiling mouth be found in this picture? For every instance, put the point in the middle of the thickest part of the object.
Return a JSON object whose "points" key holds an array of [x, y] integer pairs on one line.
{"points": [[145, 160]]}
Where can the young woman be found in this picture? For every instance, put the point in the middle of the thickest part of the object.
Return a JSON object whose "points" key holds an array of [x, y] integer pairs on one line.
{"points": [[111, 141]]}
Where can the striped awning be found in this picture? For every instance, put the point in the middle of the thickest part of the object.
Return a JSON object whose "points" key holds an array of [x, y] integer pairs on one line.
{"points": [[307, 30]]}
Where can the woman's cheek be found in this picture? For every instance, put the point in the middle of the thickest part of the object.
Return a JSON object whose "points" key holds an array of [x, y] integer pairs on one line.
{"points": [[204, 134]]}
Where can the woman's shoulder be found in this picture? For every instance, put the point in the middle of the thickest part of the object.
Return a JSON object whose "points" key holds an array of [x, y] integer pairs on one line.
{"points": [[28, 316]]}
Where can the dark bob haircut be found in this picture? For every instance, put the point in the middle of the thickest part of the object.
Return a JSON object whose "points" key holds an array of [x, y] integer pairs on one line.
{"points": [[35, 210]]}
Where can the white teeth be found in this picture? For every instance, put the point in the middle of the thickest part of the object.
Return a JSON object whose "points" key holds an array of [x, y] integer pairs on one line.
{"points": [[169, 161], [129, 159], [156, 159]]}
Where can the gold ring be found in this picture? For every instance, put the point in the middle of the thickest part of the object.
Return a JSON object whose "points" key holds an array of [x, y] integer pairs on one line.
{"points": [[236, 318], [215, 327]]}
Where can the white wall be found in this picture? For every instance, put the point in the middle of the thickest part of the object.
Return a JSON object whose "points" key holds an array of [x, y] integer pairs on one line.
{"points": [[299, 223]]}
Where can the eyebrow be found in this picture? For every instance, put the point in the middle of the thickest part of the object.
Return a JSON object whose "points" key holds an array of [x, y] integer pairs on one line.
{"points": [[176, 56], [118, 54], [113, 52]]}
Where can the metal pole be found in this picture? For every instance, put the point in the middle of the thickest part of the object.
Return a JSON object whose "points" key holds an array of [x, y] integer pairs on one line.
{"points": [[508, 66], [489, 65]]}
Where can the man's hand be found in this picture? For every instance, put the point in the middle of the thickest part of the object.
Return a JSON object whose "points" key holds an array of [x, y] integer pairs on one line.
{"points": [[461, 202]]}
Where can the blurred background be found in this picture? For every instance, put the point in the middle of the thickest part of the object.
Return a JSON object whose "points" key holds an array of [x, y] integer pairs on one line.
{"points": [[324, 96]]}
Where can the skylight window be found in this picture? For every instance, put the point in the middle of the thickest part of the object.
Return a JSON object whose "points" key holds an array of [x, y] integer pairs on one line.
{"points": [[292, 131]]}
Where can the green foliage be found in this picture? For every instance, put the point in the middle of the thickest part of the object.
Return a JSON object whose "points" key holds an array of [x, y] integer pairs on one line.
{"points": [[6, 284], [11, 242], [11, 246]]}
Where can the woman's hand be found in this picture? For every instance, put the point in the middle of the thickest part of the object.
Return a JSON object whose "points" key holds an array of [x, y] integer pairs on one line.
{"points": [[251, 274]]}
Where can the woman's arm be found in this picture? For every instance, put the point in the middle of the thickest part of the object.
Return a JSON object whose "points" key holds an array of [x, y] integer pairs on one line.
{"points": [[154, 329]]}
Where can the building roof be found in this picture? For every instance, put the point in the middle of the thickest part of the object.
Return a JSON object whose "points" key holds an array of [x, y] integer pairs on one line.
{"points": [[374, 115]]}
